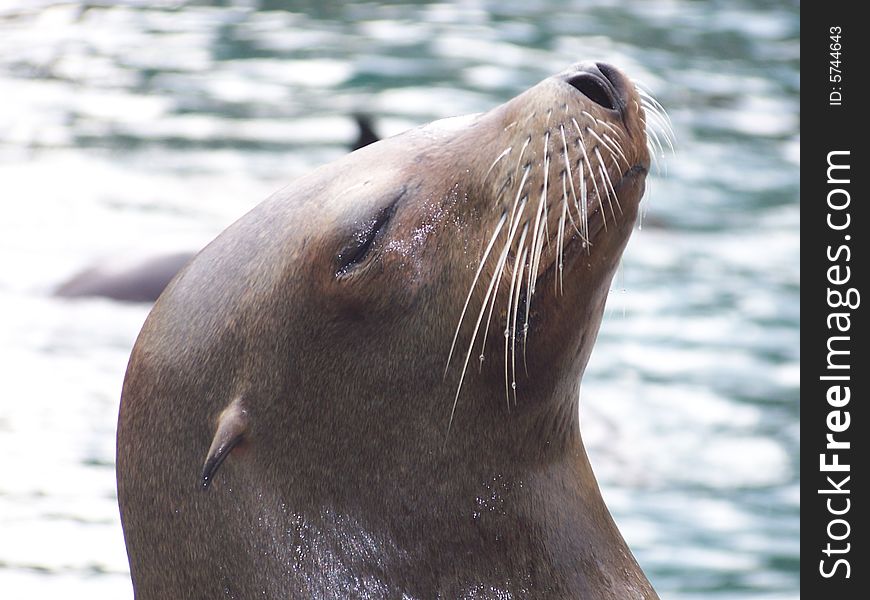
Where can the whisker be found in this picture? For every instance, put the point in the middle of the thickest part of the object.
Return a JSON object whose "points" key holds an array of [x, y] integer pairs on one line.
{"points": [[653, 129], [657, 123], [576, 204], [560, 241], [606, 145], [486, 252], [504, 153], [616, 133], [519, 192], [514, 328], [651, 134], [660, 114], [534, 266], [606, 176], [497, 275], [602, 172], [546, 176], [491, 305], [570, 179], [614, 160], [489, 292], [539, 230], [583, 200], [652, 152], [510, 326], [522, 152], [662, 126], [536, 235], [651, 100], [592, 176]]}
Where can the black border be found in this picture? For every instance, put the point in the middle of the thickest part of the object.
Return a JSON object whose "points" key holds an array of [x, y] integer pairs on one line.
{"points": [[828, 128]]}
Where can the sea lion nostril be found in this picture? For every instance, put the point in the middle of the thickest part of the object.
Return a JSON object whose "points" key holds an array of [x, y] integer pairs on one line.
{"points": [[593, 88], [610, 73]]}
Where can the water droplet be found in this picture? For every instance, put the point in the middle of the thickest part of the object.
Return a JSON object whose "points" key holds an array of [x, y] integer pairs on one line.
{"points": [[513, 385]]}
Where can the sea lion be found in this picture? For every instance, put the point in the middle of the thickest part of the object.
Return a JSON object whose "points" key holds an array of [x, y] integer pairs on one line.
{"points": [[366, 131], [141, 280], [367, 387]]}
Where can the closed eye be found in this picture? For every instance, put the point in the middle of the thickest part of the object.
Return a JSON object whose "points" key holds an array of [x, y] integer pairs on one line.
{"points": [[358, 248]]}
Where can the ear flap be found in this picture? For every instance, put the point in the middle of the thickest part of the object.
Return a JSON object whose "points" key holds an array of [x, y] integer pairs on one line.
{"points": [[232, 427]]}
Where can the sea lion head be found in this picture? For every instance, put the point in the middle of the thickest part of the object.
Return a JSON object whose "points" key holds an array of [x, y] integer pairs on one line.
{"points": [[426, 304], [488, 239], [461, 267]]}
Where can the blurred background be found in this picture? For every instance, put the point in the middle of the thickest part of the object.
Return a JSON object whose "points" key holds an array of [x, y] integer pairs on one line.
{"points": [[142, 127]]}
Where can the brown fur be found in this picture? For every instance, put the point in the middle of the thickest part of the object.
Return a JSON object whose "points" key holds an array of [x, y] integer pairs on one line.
{"points": [[345, 483]]}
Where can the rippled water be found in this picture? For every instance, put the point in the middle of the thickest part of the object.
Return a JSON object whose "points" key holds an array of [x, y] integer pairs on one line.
{"points": [[133, 128]]}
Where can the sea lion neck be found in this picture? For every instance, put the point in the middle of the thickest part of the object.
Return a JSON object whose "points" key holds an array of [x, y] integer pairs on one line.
{"points": [[489, 434]]}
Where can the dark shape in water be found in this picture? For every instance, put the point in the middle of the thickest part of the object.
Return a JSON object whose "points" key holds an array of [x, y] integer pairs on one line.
{"points": [[367, 134], [140, 281], [145, 280]]}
